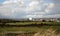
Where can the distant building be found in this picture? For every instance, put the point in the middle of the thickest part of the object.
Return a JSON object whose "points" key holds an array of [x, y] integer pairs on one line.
{"points": [[41, 19], [45, 19]]}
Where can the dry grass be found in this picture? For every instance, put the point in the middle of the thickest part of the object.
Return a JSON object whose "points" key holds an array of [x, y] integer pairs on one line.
{"points": [[48, 32]]}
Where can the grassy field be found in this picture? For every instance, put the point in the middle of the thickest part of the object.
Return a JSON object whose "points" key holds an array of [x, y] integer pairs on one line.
{"points": [[44, 30], [33, 29], [27, 29], [35, 22]]}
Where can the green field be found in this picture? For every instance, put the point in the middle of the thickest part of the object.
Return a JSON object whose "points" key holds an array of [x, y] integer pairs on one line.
{"points": [[27, 29], [32, 29], [34, 22]]}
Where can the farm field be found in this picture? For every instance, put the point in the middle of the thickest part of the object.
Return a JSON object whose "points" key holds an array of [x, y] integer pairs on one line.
{"points": [[27, 29], [32, 22], [34, 28]]}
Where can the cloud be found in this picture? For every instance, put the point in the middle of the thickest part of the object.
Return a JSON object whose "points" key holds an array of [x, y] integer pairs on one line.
{"points": [[49, 7], [52, 16], [36, 6], [56, 1], [34, 16], [32, 8], [53, 9], [11, 7]]}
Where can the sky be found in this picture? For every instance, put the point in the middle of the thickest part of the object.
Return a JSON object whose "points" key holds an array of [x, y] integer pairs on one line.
{"points": [[29, 8]]}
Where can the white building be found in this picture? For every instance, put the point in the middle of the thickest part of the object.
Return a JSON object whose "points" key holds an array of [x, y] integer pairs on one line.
{"points": [[45, 19]]}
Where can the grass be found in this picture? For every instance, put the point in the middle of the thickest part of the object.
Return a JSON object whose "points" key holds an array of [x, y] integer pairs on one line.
{"points": [[26, 29], [33, 29], [25, 23]]}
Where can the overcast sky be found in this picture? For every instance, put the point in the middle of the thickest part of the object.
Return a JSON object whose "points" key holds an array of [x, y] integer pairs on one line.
{"points": [[29, 8]]}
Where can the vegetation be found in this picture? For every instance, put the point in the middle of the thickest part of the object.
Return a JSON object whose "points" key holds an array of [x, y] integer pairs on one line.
{"points": [[48, 32], [33, 26]]}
